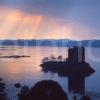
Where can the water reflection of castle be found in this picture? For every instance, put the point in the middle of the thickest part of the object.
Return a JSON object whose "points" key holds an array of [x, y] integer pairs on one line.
{"points": [[74, 67], [76, 83]]}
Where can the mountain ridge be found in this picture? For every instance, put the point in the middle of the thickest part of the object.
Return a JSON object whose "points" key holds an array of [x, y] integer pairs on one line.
{"points": [[51, 42]]}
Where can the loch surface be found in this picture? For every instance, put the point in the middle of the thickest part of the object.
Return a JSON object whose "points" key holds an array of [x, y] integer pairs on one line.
{"points": [[26, 70]]}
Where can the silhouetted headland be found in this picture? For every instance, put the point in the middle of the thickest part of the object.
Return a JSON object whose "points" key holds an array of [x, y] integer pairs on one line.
{"points": [[75, 64], [43, 90], [3, 94]]}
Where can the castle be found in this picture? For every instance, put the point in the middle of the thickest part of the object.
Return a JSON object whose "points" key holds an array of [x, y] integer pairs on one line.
{"points": [[76, 54]]}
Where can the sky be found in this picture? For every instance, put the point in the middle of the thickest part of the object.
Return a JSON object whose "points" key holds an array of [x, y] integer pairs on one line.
{"points": [[49, 19]]}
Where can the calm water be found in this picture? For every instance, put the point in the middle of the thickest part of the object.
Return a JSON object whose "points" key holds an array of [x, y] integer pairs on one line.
{"points": [[27, 70]]}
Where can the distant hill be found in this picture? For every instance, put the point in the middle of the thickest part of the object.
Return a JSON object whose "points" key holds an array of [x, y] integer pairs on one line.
{"points": [[51, 42]]}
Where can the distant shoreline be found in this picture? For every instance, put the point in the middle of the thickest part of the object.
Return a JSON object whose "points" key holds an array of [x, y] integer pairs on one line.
{"points": [[51, 43]]}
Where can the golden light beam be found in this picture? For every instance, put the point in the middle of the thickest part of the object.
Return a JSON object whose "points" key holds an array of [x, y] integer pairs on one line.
{"points": [[18, 25]]}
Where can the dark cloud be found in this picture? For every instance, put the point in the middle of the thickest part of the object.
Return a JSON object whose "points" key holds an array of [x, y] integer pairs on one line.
{"points": [[46, 7], [65, 8]]}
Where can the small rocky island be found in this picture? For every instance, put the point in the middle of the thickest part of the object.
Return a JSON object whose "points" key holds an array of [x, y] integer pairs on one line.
{"points": [[14, 56], [73, 65]]}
